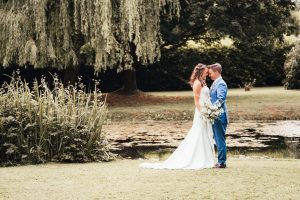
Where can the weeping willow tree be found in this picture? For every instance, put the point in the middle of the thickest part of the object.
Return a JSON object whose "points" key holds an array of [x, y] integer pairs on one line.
{"points": [[67, 33]]}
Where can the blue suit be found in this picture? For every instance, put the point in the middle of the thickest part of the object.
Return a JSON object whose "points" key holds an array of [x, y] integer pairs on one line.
{"points": [[218, 93]]}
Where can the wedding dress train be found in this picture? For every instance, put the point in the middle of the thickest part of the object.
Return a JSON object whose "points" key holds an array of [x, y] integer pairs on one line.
{"points": [[196, 151]]}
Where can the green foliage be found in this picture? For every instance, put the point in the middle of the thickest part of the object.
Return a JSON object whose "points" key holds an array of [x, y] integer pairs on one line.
{"points": [[39, 125], [255, 27], [292, 68], [240, 66], [51, 32], [254, 21], [126, 34], [246, 21]]}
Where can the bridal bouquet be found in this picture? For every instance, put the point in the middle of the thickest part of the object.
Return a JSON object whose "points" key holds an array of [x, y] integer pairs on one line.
{"points": [[212, 112]]}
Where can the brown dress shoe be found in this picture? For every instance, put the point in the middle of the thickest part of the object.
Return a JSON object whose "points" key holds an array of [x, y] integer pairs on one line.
{"points": [[218, 165]]}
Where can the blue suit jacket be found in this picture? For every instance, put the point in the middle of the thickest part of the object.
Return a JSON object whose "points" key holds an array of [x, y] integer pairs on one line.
{"points": [[218, 93]]}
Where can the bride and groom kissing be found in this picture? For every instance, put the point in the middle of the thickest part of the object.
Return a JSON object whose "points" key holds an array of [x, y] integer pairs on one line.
{"points": [[196, 150]]}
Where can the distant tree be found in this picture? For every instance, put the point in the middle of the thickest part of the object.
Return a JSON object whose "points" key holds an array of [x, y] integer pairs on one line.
{"points": [[246, 22], [292, 68], [256, 27]]}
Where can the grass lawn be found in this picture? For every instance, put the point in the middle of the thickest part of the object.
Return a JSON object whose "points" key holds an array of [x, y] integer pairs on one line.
{"points": [[246, 178], [267, 103]]}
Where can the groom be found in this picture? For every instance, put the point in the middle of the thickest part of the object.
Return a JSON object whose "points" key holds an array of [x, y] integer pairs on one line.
{"points": [[218, 93]]}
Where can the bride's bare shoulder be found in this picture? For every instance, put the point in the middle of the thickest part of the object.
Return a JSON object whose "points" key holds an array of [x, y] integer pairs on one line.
{"points": [[197, 84]]}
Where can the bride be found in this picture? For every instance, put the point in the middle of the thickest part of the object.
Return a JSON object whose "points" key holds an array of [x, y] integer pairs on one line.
{"points": [[196, 151]]}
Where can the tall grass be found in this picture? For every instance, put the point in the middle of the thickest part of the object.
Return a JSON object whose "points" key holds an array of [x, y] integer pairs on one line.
{"points": [[40, 124]]}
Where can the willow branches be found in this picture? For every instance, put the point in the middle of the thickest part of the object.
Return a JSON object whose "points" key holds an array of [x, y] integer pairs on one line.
{"points": [[42, 32]]}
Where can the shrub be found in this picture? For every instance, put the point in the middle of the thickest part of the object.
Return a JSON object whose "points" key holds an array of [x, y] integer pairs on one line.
{"points": [[241, 66], [292, 69], [62, 124]]}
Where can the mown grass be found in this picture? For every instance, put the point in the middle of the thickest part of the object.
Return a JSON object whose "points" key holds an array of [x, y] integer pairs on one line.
{"points": [[247, 178], [267, 103]]}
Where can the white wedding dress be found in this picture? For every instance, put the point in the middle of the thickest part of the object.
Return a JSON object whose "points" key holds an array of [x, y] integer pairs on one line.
{"points": [[196, 151]]}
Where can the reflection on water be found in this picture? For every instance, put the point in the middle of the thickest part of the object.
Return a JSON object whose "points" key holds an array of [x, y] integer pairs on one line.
{"points": [[276, 139]]}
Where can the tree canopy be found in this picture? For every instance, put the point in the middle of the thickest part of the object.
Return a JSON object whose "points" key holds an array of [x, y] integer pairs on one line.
{"points": [[126, 34], [247, 22], [55, 32]]}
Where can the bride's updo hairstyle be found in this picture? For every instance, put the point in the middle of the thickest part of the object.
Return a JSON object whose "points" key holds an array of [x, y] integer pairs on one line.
{"points": [[197, 74]]}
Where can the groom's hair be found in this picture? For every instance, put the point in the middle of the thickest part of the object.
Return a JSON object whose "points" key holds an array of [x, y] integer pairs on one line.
{"points": [[216, 67]]}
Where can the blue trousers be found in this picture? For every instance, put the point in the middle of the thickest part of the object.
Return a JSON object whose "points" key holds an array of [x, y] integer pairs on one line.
{"points": [[219, 129]]}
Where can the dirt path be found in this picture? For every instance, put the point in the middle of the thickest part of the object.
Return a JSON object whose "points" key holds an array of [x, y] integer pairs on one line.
{"points": [[123, 179]]}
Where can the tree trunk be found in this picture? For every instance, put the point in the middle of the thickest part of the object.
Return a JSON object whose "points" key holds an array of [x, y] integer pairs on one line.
{"points": [[129, 83], [129, 76], [129, 80]]}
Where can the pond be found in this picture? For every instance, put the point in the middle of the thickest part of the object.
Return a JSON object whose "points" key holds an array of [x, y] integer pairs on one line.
{"points": [[157, 139]]}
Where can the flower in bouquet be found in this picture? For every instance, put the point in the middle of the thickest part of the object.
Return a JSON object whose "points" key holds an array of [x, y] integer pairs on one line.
{"points": [[212, 111]]}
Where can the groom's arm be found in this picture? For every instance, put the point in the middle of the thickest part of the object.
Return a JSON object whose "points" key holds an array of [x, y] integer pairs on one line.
{"points": [[221, 93]]}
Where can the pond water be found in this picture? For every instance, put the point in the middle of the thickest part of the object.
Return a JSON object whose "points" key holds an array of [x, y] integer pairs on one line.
{"points": [[247, 138]]}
